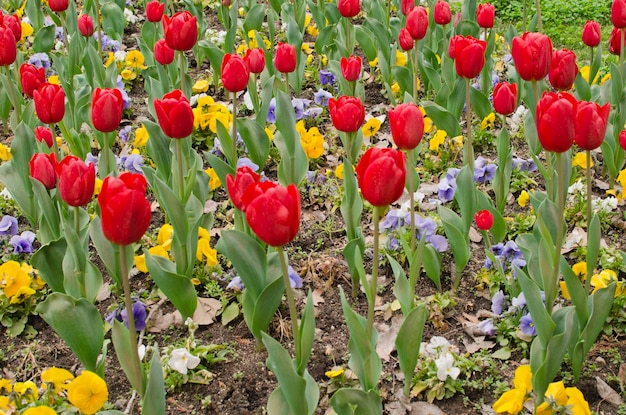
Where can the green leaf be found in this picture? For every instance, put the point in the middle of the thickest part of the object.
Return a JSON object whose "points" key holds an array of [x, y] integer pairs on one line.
{"points": [[48, 260], [256, 140], [432, 265], [459, 243], [350, 401], [124, 351], [44, 39], [442, 118], [480, 103], [109, 252], [254, 18], [159, 150], [307, 332], [541, 319], [294, 163], [408, 342], [465, 196], [178, 288], [502, 354], [594, 235], [530, 132], [154, 400], [78, 323], [258, 312], [113, 20], [402, 288], [248, 258], [230, 313]]}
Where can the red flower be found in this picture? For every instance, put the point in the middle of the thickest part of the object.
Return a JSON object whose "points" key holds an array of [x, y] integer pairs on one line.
{"points": [[77, 180], [181, 31], [13, 23], [505, 98], [485, 15], [484, 220], [43, 135], [107, 106], [532, 55], [85, 25], [381, 174], [405, 39], [163, 53], [8, 47], [442, 14], [351, 68], [591, 121], [273, 212], [417, 22], [255, 60], [236, 186], [349, 8], [42, 167], [622, 139], [346, 113], [564, 69], [614, 41], [235, 73], [285, 59], [591, 33], [58, 5], [175, 114], [124, 209], [407, 6], [31, 78], [618, 13], [468, 54], [556, 128], [407, 125], [154, 11], [49, 103]]}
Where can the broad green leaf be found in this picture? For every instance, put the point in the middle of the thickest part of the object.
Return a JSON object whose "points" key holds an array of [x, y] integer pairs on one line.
{"points": [[259, 312], [541, 319], [178, 288], [349, 401], [307, 332], [248, 258], [154, 400], [48, 260], [442, 118], [408, 342], [480, 103], [402, 288], [124, 351], [432, 265], [44, 39], [256, 140]]}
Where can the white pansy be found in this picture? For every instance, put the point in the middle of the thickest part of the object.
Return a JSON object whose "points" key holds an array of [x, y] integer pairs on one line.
{"points": [[445, 367], [181, 360]]}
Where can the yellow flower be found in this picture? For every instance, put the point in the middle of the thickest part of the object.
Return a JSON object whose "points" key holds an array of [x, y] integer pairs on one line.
{"points": [[135, 59], [201, 85], [511, 402], [110, 59], [312, 30], [54, 79], [339, 171], [22, 294], [58, 377], [140, 260], [27, 30], [309, 60], [584, 72], [400, 58], [241, 49], [97, 187], [141, 137], [334, 373], [544, 409], [6, 386], [306, 48], [580, 269], [605, 78], [487, 122], [556, 393], [312, 141], [576, 401], [371, 127], [374, 62], [621, 178], [128, 74], [307, 19], [12, 278], [40, 410], [580, 160], [27, 389], [564, 290], [456, 143], [214, 181], [437, 140], [88, 392], [203, 233], [5, 153], [165, 235], [429, 126], [37, 283], [204, 250], [241, 11], [523, 198], [604, 278], [270, 133], [5, 403], [523, 378]]}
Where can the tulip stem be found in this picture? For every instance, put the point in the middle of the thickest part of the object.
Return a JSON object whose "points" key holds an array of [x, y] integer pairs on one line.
{"points": [[468, 149], [589, 80], [80, 273], [293, 314], [416, 72], [13, 95], [551, 289], [99, 26], [524, 13], [538, 7], [588, 178], [371, 297], [181, 63], [484, 76], [130, 318], [233, 135], [621, 52], [55, 146], [411, 171], [180, 180]]}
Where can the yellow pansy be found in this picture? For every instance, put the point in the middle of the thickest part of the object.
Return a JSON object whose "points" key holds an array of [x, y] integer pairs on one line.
{"points": [[40, 410], [339, 171], [429, 126], [141, 137], [487, 122], [312, 30], [621, 178], [309, 60], [580, 269], [5, 403], [128, 74], [164, 237], [556, 393], [135, 59], [6, 386], [22, 294], [437, 140], [58, 377], [201, 85], [307, 19], [214, 180], [204, 250], [5, 153], [306, 48], [605, 78], [395, 88], [324, 60], [374, 62], [511, 402], [576, 402], [523, 378], [371, 127], [456, 144], [584, 72], [270, 134], [54, 79], [334, 373], [604, 278], [401, 58], [97, 187], [27, 30], [523, 198], [12, 278], [241, 11], [110, 59], [140, 260], [564, 290], [241, 49], [580, 160], [27, 390], [88, 392]]}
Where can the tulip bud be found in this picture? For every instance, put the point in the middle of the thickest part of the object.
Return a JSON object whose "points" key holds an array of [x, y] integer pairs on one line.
{"points": [[532, 55], [154, 11], [77, 180], [591, 122], [614, 41], [175, 114], [622, 139], [592, 34], [381, 174], [484, 220], [468, 54], [107, 106], [42, 167], [49, 103], [181, 31], [618, 13], [405, 39], [13, 23], [58, 5], [346, 113], [85, 25], [235, 73], [505, 98], [485, 15], [417, 22], [285, 59], [351, 68], [563, 69], [255, 60], [407, 126], [44, 135], [244, 177], [31, 78], [407, 6], [442, 15], [349, 8], [555, 113], [163, 54], [8, 47]]}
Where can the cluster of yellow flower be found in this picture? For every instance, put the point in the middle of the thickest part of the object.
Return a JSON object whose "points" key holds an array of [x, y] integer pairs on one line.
{"points": [[598, 281], [131, 64], [312, 140], [208, 112], [87, 392], [19, 281]]}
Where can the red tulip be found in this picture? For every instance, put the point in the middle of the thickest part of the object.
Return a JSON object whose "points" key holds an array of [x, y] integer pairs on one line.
{"points": [[381, 174], [484, 220], [49, 103], [43, 135], [618, 13], [405, 39], [107, 106], [346, 113], [591, 33], [58, 5], [556, 128], [13, 23], [417, 22], [505, 98], [8, 47], [235, 73], [351, 68], [42, 167], [236, 186], [77, 180], [407, 125], [349, 8], [124, 209], [442, 14], [622, 139], [485, 15], [614, 41], [468, 54], [85, 25], [591, 122], [181, 31], [407, 6], [154, 11], [31, 78], [564, 69], [532, 55], [285, 59], [273, 212], [255, 60], [163, 53], [175, 114]]}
